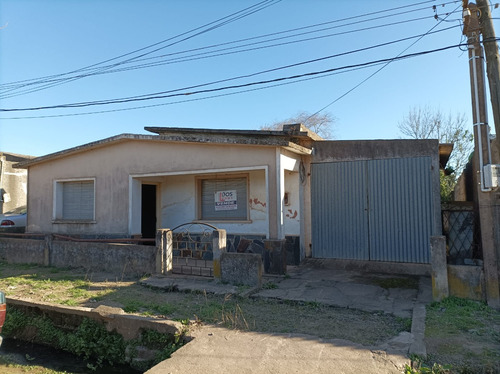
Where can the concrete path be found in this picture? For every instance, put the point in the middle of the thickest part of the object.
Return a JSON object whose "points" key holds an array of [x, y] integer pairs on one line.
{"points": [[219, 350]]}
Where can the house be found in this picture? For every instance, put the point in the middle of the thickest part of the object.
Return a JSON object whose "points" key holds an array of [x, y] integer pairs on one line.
{"points": [[356, 200], [13, 182]]}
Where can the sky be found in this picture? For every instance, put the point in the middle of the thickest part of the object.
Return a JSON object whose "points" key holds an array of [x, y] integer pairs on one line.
{"points": [[223, 65]]}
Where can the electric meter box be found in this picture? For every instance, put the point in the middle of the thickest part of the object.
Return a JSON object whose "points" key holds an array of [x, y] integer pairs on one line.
{"points": [[491, 175]]}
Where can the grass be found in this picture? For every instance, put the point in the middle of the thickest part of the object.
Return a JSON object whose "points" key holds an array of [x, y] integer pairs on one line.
{"points": [[464, 333], [10, 367], [76, 288], [406, 282]]}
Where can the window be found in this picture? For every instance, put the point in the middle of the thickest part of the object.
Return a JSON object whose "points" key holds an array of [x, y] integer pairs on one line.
{"points": [[74, 200], [224, 199]]}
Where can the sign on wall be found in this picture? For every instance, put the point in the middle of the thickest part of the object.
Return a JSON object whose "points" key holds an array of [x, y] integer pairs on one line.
{"points": [[226, 200]]}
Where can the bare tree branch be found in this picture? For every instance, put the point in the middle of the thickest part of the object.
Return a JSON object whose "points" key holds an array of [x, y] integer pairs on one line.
{"points": [[321, 124]]}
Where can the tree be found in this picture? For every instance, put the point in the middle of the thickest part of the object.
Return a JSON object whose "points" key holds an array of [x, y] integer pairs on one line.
{"points": [[321, 124], [424, 123]]}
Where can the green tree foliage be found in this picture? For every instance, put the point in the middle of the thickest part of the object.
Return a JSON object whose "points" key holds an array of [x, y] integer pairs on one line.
{"points": [[321, 124], [425, 123]]}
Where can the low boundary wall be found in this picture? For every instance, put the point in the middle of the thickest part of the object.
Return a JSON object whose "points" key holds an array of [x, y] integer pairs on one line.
{"points": [[116, 259]]}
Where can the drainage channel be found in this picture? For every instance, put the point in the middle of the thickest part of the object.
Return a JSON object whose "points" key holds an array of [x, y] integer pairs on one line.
{"points": [[29, 354]]}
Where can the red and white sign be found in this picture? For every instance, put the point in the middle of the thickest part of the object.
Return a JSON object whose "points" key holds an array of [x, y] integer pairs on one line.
{"points": [[226, 200]]}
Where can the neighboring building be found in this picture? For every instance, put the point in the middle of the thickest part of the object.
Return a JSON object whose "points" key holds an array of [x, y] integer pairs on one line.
{"points": [[371, 200], [13, 182]]}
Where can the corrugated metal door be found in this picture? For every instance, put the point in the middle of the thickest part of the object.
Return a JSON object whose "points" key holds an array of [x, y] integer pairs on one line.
{"points": [[339, 210], [400, 213], [377, 210]]}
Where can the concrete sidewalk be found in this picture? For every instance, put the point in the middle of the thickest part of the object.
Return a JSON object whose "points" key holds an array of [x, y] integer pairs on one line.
{"points": [[219, 350]]}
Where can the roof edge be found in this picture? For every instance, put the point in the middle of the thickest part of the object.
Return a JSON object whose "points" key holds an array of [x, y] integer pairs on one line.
{"points": [[81, 148]]}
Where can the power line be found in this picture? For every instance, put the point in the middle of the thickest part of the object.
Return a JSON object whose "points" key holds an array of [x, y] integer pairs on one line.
{"points": [[293, 77], [105, 70], [218, 23], [190, 100], [383, 67], [308, 39], [274, 69]]}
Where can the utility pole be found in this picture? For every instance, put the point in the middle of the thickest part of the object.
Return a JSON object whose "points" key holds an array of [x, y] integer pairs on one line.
{"points": [[492, 61], [482, 152]]}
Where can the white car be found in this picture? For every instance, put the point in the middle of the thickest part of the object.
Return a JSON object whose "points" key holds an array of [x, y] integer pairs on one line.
{"points": [[13, 221]]}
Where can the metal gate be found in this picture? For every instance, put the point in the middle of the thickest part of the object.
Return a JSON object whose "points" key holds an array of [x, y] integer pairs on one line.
{"points": [[378, 210]]}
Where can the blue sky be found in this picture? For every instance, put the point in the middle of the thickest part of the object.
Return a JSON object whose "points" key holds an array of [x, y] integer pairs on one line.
{"points": [[45, 38]]}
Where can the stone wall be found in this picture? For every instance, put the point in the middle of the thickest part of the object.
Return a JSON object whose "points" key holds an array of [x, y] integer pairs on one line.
{"points": [[193, 255]]}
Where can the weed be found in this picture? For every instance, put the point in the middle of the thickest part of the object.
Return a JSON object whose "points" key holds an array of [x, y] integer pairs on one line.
{"points": [[434, 369], [90, 340], [312, 304], [242, 288], [269, 286], [405, 323], [411, 283], [133, 306]]}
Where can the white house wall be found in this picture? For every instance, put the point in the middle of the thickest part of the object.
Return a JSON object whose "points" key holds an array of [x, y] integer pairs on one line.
{"points": [[292, 210], [178, 203], [113, 165]]}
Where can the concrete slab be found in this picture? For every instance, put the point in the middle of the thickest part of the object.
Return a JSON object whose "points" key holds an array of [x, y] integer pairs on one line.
{"points": [[222, 351], [228, 351]]}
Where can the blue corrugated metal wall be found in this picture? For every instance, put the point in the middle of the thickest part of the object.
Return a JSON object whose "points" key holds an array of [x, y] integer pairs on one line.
{"points": [[377, 210]]}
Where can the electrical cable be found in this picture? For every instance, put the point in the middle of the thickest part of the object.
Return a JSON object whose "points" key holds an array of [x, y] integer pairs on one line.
{"points": [[158, 63], [379, 70], [274, 69], [102, 62], [221, 54], [264, 4], [386, 61]]}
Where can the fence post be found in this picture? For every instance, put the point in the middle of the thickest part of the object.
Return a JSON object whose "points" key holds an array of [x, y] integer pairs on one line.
{"points": [[159, 252], [439, 268], [168, 242], [218, 246], [47, 249], [164, 255]]}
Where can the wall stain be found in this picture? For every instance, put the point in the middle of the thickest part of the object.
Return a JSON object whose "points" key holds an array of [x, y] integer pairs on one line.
{"points": [[258, 202], [292, 214]]}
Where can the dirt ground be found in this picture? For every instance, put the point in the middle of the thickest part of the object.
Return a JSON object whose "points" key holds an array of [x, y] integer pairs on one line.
{"points": [[77, 288], [470, 346]]}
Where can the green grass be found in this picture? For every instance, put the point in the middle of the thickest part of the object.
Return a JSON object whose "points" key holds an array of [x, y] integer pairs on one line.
{"points": [[411, 283], [464, 333], [74, 288]]}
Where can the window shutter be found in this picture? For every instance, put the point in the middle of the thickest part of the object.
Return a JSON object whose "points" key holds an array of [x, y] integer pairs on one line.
{"points": [[78, 200], [209, 187]]}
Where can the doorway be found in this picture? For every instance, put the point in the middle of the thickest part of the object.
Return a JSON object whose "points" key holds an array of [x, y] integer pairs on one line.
{"points": [[148, 211]]}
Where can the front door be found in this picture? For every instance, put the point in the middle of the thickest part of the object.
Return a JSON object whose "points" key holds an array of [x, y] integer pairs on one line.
{"points": [[148, 211]]}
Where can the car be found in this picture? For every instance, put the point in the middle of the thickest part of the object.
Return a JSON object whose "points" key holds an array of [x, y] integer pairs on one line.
{"points": [[14, 220]]}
